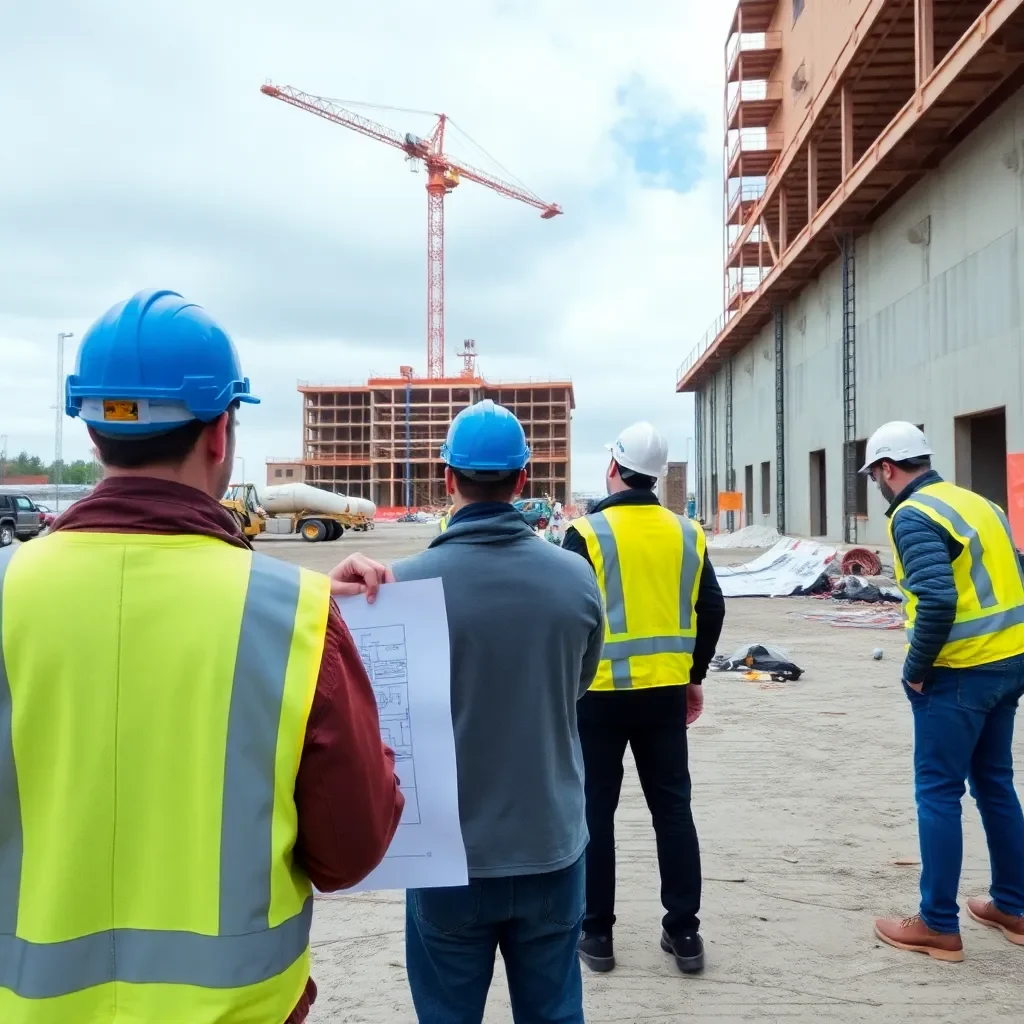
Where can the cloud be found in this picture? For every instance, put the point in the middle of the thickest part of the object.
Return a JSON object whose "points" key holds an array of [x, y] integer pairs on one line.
{"points": [[140, 153], [662, 142]]}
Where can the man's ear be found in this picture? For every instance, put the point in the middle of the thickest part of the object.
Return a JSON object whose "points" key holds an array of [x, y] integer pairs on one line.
{"points": [[216, 437], [520, 483], [449, 482]]}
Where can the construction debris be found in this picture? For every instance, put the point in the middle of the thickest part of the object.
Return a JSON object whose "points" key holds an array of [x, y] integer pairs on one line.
{"points": [[759, 660], [790, 567], [876, 617]]}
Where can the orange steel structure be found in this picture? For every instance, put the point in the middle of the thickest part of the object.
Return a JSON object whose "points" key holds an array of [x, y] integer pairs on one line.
{"points": [[382, 440], [830, 116], [443, 175]]}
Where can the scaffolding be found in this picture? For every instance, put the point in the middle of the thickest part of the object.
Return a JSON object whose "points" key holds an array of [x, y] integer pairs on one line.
{"points": [[382, 440], [713, 443], [730, 470], [850, 466], [780, 423]]}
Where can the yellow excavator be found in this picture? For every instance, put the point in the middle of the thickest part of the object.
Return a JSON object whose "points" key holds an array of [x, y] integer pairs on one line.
{"points": [[242, 502]]}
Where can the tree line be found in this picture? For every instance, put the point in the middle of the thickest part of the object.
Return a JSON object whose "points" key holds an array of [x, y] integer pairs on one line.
{"points": [[77, 472]]}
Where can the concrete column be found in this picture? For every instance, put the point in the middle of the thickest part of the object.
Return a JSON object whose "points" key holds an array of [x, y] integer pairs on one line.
{"points": [[812, 179], [924, 39], [846, 126], [783, 219]]}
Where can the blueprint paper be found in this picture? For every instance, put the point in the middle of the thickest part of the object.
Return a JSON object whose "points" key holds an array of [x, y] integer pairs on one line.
{"points": [[403, 640]]}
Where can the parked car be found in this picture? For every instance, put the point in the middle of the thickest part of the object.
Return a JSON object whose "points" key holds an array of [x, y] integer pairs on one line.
{"points": [[49, 516], [19, 518]]}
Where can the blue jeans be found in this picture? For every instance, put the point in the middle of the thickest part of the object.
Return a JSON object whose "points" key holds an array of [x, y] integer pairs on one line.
{"points": [[451, 936], [963, 729]]}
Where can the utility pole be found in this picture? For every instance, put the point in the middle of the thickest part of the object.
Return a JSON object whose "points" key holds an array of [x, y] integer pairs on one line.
{"points": [[3, 456], [58, 438]]}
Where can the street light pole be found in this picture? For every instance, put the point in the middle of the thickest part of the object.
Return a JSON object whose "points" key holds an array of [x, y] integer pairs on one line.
{"points": [[58, 437], [3, 456], [238, 458]]}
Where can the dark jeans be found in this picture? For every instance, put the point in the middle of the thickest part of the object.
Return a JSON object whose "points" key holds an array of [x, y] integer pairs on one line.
{"points": [[451, 936], [653, 723], [963, 729]]}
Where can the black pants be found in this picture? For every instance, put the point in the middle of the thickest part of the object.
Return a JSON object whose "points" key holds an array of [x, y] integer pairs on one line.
{"points": [[653, 723]]}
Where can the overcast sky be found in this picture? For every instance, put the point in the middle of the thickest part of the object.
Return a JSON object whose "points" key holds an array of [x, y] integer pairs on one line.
{"points": [[137, 151]]}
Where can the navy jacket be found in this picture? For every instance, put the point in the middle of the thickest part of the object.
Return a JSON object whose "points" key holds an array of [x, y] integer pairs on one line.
{"points": [[927, 552], [710, 606]]}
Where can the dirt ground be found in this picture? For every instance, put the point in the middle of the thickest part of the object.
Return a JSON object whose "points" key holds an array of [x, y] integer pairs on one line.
{"points": [[803, 798]]}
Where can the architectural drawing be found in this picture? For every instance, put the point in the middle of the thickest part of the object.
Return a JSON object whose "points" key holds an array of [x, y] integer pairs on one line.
{"points": [[384, 654]]}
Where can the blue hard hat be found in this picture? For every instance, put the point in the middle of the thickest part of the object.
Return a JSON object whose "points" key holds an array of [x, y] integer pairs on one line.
{"points": [[486, 438], [154, 363]]}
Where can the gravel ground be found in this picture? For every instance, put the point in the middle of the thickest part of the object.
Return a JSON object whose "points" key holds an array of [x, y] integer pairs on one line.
{"points": [[803, 799]]}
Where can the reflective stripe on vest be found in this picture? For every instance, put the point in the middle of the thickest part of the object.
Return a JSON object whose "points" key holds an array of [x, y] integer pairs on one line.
{"points": [[247, 950], [989, 623], [619, 647]]}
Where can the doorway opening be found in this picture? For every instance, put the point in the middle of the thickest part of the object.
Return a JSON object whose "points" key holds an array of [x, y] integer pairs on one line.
{"points": [[819, 492], [980, 453], [748, 504]]}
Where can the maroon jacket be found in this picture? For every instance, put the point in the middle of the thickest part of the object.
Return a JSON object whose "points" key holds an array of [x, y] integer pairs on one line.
{"points": [[347, 794]]}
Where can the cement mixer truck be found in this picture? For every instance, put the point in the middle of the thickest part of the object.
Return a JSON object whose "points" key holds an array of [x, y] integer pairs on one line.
{"points": [[311, 512]]}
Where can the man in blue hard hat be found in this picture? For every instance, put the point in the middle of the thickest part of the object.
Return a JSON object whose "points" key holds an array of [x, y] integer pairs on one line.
{"points": [[525, 629], [188, 741]]}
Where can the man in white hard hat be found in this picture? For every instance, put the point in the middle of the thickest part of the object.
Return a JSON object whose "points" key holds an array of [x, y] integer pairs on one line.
{"points": [[664, 613], [963, 586]]}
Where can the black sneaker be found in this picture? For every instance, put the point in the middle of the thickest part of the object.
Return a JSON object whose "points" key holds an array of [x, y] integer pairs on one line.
{"points": [[688, 951], [596, 952]]}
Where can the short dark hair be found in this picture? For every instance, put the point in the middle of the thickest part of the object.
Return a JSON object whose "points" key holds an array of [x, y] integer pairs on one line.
{"points": [[495, 488], [169, 449], [909, 465], [638, 481]]}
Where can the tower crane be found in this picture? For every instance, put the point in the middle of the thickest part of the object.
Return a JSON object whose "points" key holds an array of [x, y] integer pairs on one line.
{"points": [[443, 175]]}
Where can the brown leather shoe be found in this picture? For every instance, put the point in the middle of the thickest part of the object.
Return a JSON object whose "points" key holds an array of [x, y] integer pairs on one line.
{"points": [[914, 935], [985, 912]]}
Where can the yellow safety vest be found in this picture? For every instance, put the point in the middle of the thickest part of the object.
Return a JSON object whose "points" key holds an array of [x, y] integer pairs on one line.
{"points": [[444, 522], [989, 623], [648, 563], [154, 693]]}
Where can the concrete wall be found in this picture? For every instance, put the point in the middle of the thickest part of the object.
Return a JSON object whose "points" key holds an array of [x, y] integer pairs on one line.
{"points": [[938, 330]]}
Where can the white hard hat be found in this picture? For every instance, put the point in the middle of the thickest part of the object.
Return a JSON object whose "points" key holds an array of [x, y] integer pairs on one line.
{"points": [[896, 441], [642, 449]]}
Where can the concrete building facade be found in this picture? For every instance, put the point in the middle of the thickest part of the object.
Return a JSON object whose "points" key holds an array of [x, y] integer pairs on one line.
{"points": [[900, 295]]}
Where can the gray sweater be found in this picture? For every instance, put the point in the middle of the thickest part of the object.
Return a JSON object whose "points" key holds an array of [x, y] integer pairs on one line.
{"points": [[526, 628]]}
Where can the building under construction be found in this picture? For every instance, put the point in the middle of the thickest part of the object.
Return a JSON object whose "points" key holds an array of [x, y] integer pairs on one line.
{"points": [[382, 440], [874, 196]]}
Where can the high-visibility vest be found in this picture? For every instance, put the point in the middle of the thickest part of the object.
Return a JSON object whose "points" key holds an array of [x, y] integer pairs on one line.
{"points": [[443, 525], [989, 622], [648, 563], [154, 694]]}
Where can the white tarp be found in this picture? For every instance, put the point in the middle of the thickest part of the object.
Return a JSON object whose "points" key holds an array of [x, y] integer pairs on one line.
{"points": [[789, 566]]}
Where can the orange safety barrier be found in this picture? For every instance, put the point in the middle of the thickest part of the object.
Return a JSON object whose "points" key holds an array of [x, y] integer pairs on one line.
{"points": [[1015, 496]]}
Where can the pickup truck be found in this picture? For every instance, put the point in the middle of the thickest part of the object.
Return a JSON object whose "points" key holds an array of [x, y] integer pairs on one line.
{"points": [[19, 518]]}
